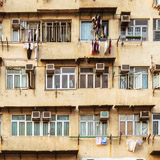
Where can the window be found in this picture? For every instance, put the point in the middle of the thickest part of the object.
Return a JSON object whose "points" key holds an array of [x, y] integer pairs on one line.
{"points": [[156, 29], [137, 78], [135, 31], [63, 78], [16, 78], [130, 124], [87, 32], [29, 31], [156, 124], [156, 80], [22, 125], [90, 125], [25, 31], [57, 31], [90, 79]]}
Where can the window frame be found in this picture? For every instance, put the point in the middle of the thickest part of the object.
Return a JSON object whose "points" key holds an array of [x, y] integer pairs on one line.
{"points": [[94, 74], [87, 40], [41, 125], [134, 26], [133, 126], [155, 30], [157, 120], [94, 125], [133, 73], [61, 74], [20, 77]]}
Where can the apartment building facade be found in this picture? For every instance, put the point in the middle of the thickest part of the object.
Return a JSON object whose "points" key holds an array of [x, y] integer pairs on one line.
{"points": [[79, 80]]}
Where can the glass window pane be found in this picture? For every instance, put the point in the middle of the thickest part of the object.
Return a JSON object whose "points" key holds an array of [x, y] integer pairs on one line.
{"points": [[97, 128], [96, 117], [15, 35], [36, 128], [155, 127], [29, 128], [129, 128], [24, 81], [144, 81], [104, 128], [52, 128], [104, 81], [86, 117], [83, 128], [87, 32], [45, 128], [53, 118], [86, 70], [97, 81], [49, 81], [156, 81], [141, 22], [68, 70], [156, 116], [90, 128], [137, 129], [123, 82], [21, 128], [138, 81], [130, 31], [90, 81], [144, 128], [57, 81], [9, 82], [66, 128], [64, 81], [59, 128], [18, 117], [14, 128], [122, 128], [72, 81], [82, 81], [16, 81], [28, 117], [62, 117]]}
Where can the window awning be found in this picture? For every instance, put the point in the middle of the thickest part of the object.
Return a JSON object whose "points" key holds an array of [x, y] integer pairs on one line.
{"points": [[107, 107], [134, 107], [45, 108], [155, 152], [82, 59], [40, 152]]}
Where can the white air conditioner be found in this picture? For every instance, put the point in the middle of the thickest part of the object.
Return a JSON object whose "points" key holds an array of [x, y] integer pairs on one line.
{"points": [[100, 67], [157, 67], [50, 68], [144, 115], [36, 115], [46, 116], [104, 115], [125, 18], [15, 23], [29, 68], [125, 68]]}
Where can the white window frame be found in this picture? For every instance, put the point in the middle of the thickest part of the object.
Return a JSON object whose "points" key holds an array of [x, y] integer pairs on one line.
{"points": [[134, 121], [94, 78], [156, 75], [61, 75], [17, 74], [134, 26], [140, 86], [41, 125], [156, 120], [156, 30], [94, 124], [18, 35]]}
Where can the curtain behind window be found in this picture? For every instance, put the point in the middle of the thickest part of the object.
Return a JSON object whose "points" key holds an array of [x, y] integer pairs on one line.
{"points": [[14, 128]]}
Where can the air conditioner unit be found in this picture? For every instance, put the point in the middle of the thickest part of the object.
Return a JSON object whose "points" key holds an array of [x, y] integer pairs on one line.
{"points": [[104, 115], [100, 67], [15, 23], [50, 68], [144, 115], [125, 68], [29, 68], [46, 116], [125, 18], [36, 115], [157, 67]]}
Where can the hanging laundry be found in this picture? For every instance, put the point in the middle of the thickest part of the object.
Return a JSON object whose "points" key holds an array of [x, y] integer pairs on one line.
{"points": [[92, 48], [105, 46], [36, 51], [95, 47], [110, 45], [98, 140], [31, 46], [131, 145], [139, 141], [104, 140], [105, 31], [26, 45]]}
